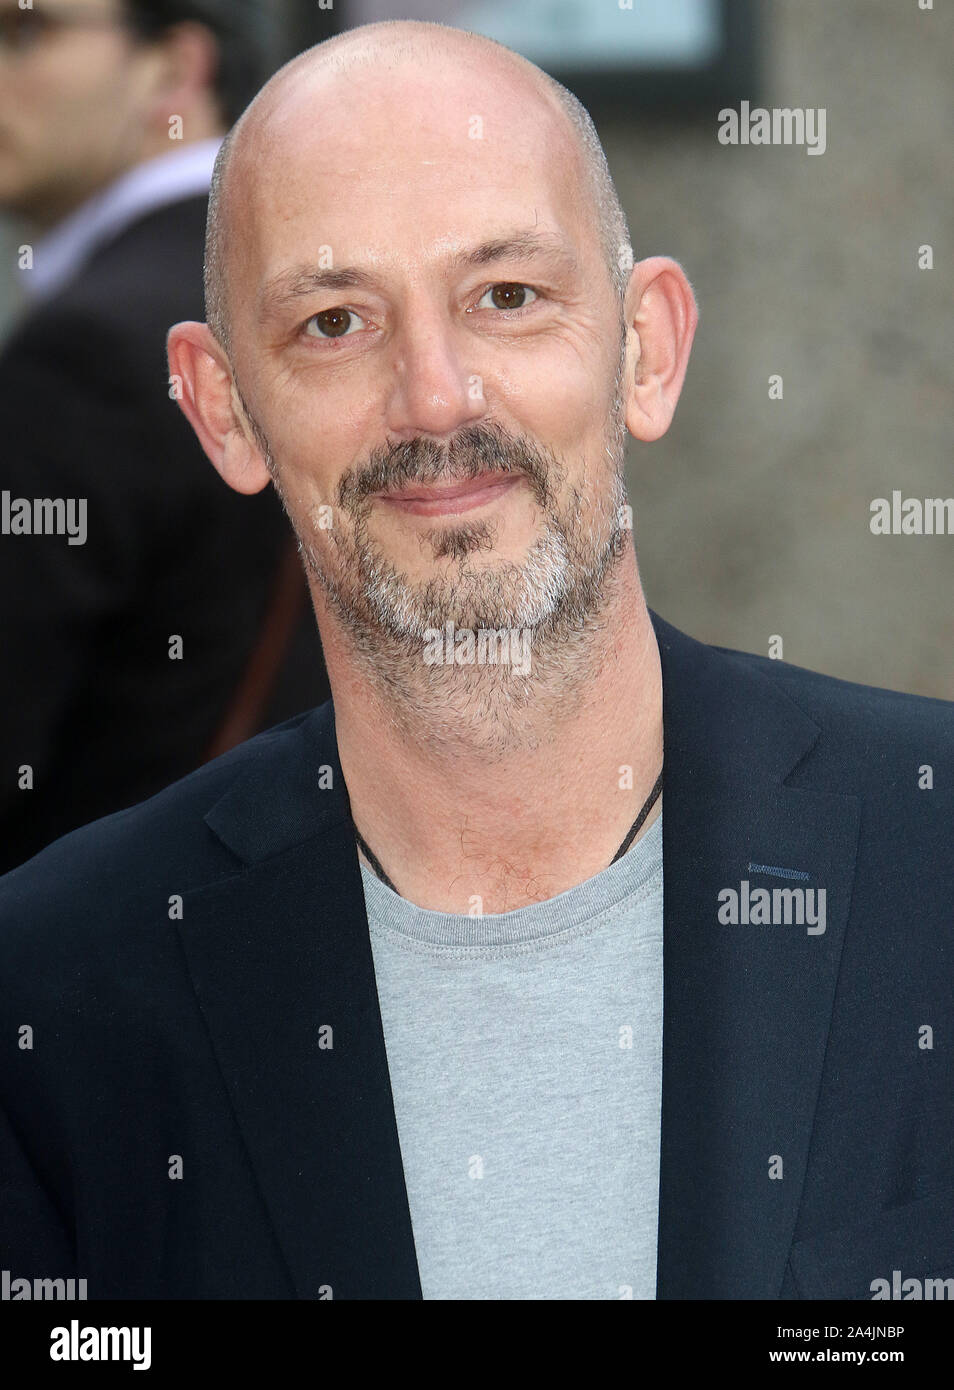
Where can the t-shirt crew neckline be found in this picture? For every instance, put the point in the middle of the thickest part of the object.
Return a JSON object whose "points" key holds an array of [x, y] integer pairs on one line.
{"points": [[632, 875]]}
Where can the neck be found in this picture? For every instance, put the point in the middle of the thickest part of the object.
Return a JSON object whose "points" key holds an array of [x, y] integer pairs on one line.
{"points": [[480, 791], [200, 121]]}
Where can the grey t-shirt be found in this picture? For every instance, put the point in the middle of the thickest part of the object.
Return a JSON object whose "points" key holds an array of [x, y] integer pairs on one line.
{"points": [[525, 1054]]}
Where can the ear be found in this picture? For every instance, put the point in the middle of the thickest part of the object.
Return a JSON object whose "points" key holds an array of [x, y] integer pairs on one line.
{"points": [[661, 317], [202, 378], [186, 59]]}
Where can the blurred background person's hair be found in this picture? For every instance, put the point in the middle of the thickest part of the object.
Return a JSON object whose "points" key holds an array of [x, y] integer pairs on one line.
{"points": [[150, 617], [250, 37]]}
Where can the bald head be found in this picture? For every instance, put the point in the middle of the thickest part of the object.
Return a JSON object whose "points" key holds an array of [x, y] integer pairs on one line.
{"points": [[339, 70]]}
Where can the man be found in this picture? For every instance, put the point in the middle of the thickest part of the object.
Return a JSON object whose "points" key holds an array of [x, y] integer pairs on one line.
{"points": [[247, 1067], [130, 633]]}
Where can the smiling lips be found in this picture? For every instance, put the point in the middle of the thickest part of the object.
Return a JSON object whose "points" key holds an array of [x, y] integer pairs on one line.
{"points": [[422, 499]]}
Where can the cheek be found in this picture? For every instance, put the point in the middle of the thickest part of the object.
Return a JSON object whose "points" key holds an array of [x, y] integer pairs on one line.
{"points": [[567, 408], [311, 460], [63, 112], [89, 93], [316, 437], [39, 107], [564, 373]]}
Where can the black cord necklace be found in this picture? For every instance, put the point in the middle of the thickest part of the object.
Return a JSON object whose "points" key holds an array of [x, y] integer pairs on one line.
{"points": [[647, 806]]}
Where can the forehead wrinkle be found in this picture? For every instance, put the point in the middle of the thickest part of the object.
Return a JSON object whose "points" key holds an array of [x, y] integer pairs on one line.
{"points": [[318, 141], [516, 244]]}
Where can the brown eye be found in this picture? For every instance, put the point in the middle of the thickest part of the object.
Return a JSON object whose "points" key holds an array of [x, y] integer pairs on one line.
{"points": [[506, 295], [331, 323], [509, 296]]}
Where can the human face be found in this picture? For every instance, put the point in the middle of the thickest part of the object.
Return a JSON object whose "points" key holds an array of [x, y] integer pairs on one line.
{"points": [[413, 308], [70, 104]]}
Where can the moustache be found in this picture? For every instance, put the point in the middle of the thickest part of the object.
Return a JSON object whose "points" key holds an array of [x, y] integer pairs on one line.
{"points": [[475, 450]]}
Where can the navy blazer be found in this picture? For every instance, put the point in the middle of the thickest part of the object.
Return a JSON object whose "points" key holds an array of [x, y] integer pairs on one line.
{"points": [[174, 1124]]}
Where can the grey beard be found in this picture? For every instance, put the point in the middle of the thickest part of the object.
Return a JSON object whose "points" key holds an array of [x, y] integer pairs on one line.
{"points": [[554, 597]]}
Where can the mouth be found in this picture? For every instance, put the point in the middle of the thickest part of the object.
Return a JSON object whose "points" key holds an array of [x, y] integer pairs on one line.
{"points": [[421, 499]]}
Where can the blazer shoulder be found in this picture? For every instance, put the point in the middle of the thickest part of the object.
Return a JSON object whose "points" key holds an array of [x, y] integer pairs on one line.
{"points": [[148, 276], [878, 730], [102, 874], [109, 322]]}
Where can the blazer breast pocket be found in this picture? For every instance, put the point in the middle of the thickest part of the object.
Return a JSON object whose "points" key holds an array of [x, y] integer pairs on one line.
{"points": [[905, 1253]]}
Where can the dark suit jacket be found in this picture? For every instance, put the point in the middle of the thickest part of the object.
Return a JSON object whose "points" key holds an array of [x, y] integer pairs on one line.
{"points": [[88, 694], [199, 1037]]}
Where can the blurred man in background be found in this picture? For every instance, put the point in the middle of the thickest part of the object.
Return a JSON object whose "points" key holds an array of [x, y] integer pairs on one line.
{"points": [[151, 617]]}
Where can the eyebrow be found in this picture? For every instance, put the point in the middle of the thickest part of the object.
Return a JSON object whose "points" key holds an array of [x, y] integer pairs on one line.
{"points": [[301, 280]]}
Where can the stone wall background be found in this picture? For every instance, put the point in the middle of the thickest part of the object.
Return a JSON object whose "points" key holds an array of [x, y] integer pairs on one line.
{"points": [[752, 516]]}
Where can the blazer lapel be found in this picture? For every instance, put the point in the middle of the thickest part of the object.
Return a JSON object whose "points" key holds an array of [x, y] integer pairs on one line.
{"points": [[747, 1008], [280, 959]]}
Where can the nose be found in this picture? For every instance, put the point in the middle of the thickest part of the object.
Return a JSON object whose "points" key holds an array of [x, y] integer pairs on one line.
{"points": [[435, 389]]}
